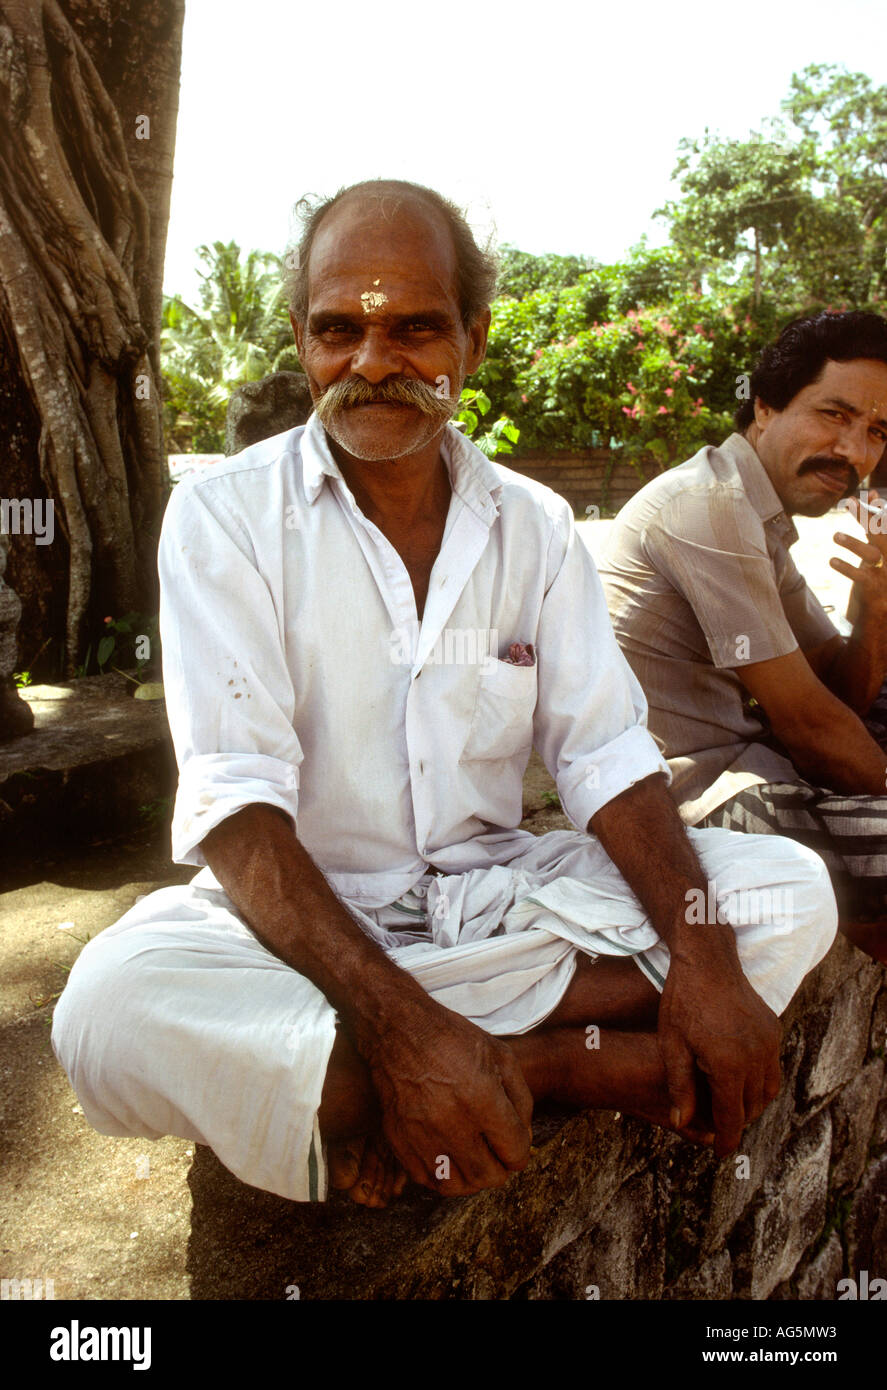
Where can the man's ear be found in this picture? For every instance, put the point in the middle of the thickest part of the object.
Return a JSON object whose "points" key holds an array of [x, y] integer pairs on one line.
{"points": [[477, 341], [763, 413]]}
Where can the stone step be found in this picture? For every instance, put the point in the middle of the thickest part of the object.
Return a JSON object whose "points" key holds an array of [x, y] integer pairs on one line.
{"points": [[97, 761]]}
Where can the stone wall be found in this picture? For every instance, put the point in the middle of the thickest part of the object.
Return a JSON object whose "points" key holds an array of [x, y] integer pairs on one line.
{"points": [[596, 477], [609, 1206]]}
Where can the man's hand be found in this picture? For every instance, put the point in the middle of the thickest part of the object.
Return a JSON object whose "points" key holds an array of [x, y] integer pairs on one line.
{"points": [[709, 1015], [869, 577], [446, 1089], [456, 1109], [711, 1018]]}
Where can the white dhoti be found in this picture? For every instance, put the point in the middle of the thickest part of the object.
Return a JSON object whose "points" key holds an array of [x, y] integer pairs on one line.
{"points": [[177, 1020]]}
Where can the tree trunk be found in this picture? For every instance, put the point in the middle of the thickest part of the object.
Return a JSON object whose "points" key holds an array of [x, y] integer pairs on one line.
{"points": [[88, 104]]}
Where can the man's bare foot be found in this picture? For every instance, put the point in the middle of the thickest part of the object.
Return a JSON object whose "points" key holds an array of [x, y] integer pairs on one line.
{"points": [[366, 1169], [870, 937], [624, 1072]]}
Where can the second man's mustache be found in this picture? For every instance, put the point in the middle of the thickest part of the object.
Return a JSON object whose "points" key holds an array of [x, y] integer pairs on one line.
{"points": [[822, 463]]}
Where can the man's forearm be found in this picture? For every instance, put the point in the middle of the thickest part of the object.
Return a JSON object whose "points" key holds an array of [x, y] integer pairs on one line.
{"points": [[285, 899], [858, 669], [647, 841], [835, 750]]}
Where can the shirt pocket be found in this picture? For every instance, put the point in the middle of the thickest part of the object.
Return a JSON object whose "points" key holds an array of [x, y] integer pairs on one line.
{"points": [[502, 723]]}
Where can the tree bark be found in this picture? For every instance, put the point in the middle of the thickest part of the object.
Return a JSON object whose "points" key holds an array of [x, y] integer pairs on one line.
{"points": [[88, 103]]}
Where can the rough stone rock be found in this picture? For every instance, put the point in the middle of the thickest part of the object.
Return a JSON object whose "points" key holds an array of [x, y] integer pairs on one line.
{"points": [[770, 1241], [260, 409], [853, 1118], [712, 1279], [732, 1192], [837, 1035], [820, 986], [816, 1277], [250, 1244], [865, 1230], [878, 1039], [623, 1256]]}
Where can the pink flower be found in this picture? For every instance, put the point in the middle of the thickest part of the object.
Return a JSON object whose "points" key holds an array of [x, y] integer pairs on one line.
{"points": [[669, 390], [663, 410], [676, 376], [524, 399], [631, 388], [537, 354]]}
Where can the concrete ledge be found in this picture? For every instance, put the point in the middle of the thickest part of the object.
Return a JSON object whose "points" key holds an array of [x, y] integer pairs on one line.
{"points": [[95, 757]]}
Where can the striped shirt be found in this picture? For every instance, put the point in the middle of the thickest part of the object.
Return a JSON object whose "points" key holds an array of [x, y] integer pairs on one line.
{"points": [[699, 581]]}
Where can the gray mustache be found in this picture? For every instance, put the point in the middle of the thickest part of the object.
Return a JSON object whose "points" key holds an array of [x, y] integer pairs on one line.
{"points": [[345, 395]]}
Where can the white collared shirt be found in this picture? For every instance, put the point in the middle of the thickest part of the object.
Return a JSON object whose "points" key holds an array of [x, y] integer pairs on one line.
{"points": [[297, 674]]}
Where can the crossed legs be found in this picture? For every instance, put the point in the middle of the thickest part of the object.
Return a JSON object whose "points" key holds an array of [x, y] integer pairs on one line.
{"points": [[622, 1070]]}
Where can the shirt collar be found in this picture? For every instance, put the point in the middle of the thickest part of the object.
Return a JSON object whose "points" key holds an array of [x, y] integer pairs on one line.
{"points": [[473, 477], [758, 487]]}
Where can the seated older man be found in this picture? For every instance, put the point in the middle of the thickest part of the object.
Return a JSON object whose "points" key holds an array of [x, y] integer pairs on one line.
{"points": [[366, 625]]}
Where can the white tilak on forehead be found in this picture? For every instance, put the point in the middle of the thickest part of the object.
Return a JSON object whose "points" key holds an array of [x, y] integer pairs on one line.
{"points": [[373, 299]]}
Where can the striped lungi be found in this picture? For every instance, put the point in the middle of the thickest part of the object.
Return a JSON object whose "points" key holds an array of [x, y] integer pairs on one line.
{"points": [[848, 832]]}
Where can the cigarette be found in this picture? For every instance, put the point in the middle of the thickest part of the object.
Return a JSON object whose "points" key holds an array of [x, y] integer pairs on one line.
{"points": [[867, 507]]}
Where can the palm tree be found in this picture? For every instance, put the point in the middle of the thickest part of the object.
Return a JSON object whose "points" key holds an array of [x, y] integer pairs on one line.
{"points": [[240, 333]]}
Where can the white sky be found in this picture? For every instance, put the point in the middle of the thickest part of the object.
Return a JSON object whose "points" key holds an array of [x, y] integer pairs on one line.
{"points": [[555, 122]]}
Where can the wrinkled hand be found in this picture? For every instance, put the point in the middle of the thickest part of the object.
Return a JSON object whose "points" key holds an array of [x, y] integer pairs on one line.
{"points": [[711, 1018], [450, 1091]]}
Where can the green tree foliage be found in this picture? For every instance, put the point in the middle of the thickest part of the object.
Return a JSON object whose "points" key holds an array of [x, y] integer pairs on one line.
{"points": [[240, 333], [742, 198], [521, 273], [843, 117], [798, 211]]}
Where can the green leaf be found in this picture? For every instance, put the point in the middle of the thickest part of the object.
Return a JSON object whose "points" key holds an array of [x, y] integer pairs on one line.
{"points": [[104, 650]]}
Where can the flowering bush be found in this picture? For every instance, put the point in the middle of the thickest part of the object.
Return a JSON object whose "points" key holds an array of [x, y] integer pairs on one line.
{"points": [[653, 380]]}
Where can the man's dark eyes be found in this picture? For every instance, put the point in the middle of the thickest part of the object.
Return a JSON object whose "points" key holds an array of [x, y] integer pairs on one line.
{"points": [[339, 330]]}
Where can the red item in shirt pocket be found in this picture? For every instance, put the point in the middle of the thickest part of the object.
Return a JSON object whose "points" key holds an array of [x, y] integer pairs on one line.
{"points": [[520, 654]]}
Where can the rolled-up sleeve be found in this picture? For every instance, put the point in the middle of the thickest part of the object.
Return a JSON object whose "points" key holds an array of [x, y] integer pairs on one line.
{"points": [[590, 723], [229, 694]]}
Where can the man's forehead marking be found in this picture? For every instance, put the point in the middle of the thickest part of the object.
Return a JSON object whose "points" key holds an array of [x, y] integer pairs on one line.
{"points": [[373, 299]]}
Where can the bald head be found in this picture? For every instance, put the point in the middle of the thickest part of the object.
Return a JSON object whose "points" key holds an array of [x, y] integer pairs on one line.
{"points": [[411, 213]]}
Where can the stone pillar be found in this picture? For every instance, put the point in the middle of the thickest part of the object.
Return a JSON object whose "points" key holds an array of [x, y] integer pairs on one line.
{"points": [[260, 409], [16, 717]]}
